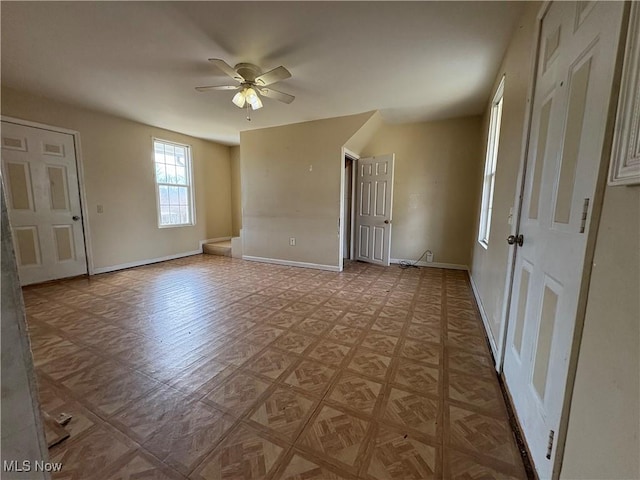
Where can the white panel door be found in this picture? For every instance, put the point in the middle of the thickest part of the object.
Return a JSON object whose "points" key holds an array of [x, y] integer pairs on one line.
{"points": [[43, 200], [373, 204], [575, 68]]}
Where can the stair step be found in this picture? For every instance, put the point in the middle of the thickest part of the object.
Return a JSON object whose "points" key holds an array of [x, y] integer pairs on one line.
{"points": [[218, 248]]}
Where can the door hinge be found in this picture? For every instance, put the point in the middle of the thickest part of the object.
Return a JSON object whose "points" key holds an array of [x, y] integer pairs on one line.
{"points": [[585, 209], [550, 444]]}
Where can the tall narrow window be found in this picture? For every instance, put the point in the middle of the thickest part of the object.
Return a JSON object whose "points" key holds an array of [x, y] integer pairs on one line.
{"points": [[173, 184], [490, 166]]}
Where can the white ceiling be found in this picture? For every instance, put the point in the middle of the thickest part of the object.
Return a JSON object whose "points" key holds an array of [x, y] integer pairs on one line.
{"points": [[413, 61]]}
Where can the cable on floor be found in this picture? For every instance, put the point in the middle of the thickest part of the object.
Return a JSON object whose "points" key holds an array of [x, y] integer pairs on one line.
{"points": [[407, 264]]}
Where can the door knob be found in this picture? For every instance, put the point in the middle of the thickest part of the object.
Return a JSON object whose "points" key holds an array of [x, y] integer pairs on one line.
{"points": [[75, 218], [512, 240], [387, 222]]}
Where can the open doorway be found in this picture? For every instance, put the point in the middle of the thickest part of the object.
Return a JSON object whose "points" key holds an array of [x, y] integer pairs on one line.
{"points": [[348, 206]]}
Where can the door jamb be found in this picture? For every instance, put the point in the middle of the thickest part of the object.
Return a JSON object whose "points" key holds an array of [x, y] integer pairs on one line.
{"points": [[341, 222], [81, 185]]}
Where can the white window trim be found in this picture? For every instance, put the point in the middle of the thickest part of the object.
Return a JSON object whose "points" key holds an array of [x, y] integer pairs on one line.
{"points": [[191, 187], [490, 165]]}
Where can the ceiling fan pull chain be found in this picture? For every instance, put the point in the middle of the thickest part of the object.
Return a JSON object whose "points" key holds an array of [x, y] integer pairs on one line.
{"points": [[248, 112]]}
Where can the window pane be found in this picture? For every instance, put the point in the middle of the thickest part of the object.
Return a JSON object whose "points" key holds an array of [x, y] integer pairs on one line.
{"points": [[161, 173], [174, 195], [181, 175], [183, 196], [164, 194], [171, 174]]}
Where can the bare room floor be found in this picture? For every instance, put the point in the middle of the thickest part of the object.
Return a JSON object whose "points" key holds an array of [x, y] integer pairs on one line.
{"points": [[215, 368]]}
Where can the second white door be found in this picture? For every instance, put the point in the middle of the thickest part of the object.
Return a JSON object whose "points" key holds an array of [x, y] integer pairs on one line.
{"points": [[374, 199], [43, 202]]}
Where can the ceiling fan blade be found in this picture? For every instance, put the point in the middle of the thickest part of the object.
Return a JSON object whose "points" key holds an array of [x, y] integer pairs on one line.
{"points": [[272, 76], [276, 95], [218, 87], [226, 68]]}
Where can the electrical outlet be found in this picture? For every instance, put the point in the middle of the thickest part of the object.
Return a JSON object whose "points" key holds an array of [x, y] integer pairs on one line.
{"points": [[292, 241]]}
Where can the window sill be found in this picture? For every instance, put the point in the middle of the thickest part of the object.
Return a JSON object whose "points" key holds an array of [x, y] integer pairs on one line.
{"points": [[178, 226]]}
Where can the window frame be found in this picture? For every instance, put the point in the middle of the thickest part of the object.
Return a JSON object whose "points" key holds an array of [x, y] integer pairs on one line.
{"points": [[490, 165], [189, 176]]}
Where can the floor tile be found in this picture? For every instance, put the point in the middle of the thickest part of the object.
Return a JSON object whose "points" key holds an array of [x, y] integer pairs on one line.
{"points": [[354, 391], [408, 409], [245, 454], [283, 411], [398, 456], [335, 434], [299, 468], [369, 363], [89, 454], [311, 377], [417, 376], [192, 433], [465, 467], [271, 363], [480, 433], [329, 353], [238, 393], [482, 393]]}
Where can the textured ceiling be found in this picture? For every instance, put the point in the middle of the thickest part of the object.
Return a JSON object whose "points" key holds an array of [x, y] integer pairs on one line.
{"points": [[413, 61]]}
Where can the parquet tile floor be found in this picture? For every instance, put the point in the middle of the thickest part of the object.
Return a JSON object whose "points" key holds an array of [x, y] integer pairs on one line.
{"points": [[209, 367]]}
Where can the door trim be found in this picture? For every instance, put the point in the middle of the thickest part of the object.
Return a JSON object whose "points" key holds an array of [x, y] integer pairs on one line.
{"points": [[594, 222], [81, 188], [341, 222]]}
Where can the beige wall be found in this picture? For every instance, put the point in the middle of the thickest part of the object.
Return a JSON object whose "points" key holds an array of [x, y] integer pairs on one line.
{"points": [[603, 439], [118, 174], [489, 265], [291, 188], [437, 165], [236, 191]]}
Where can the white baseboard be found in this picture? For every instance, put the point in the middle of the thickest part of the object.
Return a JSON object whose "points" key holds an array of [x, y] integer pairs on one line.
{"points": [[289, 263], [213, 240], [452, 266], [485, 319], [148, 261]]}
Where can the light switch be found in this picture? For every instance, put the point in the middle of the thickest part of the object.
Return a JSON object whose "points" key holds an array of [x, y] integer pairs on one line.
{"points": [[100, 209]]}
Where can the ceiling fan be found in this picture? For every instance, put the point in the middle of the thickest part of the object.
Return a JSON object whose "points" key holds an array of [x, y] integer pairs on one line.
{"points": [[252, 83]]}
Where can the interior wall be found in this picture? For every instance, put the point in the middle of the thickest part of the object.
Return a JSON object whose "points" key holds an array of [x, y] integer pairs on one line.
{"points": [[437, 165], [119, 175], [291, 188], [489, 266], [236, 190], [603, 438], [21, 426]]}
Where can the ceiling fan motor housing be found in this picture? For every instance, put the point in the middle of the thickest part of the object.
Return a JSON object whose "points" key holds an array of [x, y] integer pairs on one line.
{"points": [[248, 71]]}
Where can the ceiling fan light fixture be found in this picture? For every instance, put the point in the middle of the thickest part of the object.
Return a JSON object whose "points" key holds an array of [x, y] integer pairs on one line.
{"points": [[255, 103], [239, 99]]}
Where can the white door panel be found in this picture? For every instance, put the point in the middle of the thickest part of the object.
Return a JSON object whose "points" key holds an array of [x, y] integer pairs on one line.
{"points": [[41, 178], [374, 194], [576, 62]]}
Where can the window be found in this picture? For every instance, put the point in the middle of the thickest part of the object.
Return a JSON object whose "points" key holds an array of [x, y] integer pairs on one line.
{"points": [[490, 166], [173, 184]]}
